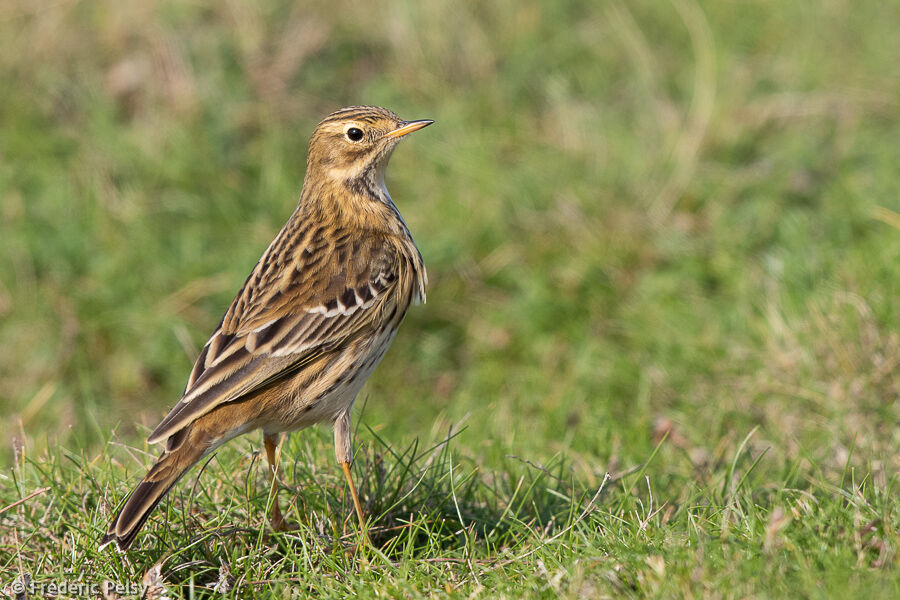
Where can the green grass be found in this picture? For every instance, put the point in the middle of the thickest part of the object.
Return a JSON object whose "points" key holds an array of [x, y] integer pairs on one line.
{"points": [[663, 241]]}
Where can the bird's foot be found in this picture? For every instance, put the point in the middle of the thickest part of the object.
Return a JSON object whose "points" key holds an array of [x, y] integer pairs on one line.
{"points": [[280, 524]]}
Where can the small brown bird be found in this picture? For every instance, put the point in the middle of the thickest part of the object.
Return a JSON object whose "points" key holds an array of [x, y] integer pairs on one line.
{"points": [[312, 321]]}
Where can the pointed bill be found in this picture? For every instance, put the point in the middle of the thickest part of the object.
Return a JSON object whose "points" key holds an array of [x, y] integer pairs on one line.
{"points": [[409, 127]]}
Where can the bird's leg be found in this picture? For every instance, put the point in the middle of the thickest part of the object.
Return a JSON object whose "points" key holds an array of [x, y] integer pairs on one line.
{"points": [[342, 448], [271, 443]]}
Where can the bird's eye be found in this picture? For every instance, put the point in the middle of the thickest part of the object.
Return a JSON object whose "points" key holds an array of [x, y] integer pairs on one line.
{"points": [[354, 134]]}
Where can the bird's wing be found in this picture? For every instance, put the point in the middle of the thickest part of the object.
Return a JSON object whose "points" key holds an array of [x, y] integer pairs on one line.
{"points": [[307, 296]]}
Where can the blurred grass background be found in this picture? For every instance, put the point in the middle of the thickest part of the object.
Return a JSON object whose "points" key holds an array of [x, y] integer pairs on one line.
{"points": [[640, 219]]}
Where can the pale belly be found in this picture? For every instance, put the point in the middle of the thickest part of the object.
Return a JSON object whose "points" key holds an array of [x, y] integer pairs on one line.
{"points": [[331, 393]]}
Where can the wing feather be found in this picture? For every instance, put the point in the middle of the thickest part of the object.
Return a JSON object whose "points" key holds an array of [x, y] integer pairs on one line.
{"points": [[290, 311]]}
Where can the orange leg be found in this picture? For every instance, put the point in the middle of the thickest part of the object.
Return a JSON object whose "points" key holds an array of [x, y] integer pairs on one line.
{"points": [[343, 452], [278, 522], [359, 512]]}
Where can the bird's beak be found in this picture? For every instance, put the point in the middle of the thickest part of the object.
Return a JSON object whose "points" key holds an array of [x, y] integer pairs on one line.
{"points": [[408, 127]]}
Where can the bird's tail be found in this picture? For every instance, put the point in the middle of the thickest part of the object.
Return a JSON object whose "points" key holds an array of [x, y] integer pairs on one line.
{"points": [[169, 468]]}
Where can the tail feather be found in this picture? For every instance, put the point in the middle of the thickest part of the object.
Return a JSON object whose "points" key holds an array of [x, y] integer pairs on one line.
{"points": [[170, 467]]}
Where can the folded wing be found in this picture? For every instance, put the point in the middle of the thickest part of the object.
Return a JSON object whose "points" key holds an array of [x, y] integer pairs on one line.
{"points": [[294, 307]]}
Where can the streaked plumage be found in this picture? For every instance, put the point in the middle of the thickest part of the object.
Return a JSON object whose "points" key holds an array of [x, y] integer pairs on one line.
{"points": [[311, 322]]}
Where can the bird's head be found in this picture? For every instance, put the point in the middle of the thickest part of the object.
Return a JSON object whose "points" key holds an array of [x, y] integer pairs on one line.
{"points": [[356, 142]]}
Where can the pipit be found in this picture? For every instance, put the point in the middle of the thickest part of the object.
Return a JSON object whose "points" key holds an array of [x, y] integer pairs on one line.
{"points": [[311, 322]]}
